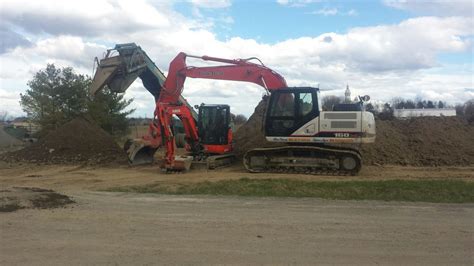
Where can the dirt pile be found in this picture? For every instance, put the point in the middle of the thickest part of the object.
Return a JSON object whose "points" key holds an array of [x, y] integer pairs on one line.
{"points": [[251, 134], [77, 141], [16, 198], [424, 141]]}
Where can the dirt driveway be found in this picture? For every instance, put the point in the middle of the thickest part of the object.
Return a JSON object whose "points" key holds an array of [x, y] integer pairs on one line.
{"points": [[118, 228], [144, 229]]}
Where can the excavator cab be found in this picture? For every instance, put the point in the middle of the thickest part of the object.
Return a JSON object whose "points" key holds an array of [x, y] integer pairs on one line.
{"points": [[289, 109], [213, 127]]}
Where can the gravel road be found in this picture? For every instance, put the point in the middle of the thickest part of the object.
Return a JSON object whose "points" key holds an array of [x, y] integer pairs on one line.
{"points": [[119, 228]]}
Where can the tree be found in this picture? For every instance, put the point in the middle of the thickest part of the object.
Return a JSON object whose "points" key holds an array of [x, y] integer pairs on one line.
{"points": [[240, 119], [371, 108], [459, 110], [107, 109], [441, 105], [4, 116], [329, 101], [398, 103], [57, 95], [430, 105], [419, 104], [409, 104], [469, 110], [386, 113]]}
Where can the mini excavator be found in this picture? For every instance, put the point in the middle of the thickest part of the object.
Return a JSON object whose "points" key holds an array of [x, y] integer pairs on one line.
{"points": [[293, 117]]}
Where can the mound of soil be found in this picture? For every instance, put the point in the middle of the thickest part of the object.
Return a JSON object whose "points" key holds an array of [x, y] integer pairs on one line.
{"points": [[77, 141], [251, 134], [16, 198], [422, 141]]}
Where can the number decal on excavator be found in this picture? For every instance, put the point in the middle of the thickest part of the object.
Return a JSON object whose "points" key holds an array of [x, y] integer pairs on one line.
{"points": [[342, 135]]}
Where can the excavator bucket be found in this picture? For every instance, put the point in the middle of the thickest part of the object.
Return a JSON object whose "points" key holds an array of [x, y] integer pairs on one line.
{"points": [[181, 163], [122, 65], [111, 72], [139, 152]]}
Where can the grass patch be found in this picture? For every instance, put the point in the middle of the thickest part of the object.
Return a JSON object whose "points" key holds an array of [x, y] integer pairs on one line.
{"points": [[447, 191]]}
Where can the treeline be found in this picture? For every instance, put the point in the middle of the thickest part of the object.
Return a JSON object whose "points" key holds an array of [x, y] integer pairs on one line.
{"points": [[384, 111], [400, 103]]}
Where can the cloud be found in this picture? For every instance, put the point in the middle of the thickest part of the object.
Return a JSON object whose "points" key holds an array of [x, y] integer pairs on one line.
{"points": [[383, 61], [326, 11], [84, 18], [435, 7], [68, 49], [334, 11], [211, 3], [10, 39], [352, 12], [297, 3]]}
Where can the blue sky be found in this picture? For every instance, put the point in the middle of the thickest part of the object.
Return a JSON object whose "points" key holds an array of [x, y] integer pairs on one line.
{"points": [[272, 22], [386, 48]]}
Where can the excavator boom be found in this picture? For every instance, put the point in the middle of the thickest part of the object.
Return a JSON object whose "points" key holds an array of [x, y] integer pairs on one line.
{"points": [[235, 70]]}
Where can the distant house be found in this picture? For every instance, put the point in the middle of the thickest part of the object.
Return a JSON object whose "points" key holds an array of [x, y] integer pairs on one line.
{"points": [[25, 123], [407, 113]]}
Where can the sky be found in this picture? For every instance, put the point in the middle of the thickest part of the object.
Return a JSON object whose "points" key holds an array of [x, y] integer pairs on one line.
{"points": [[385, 48]]}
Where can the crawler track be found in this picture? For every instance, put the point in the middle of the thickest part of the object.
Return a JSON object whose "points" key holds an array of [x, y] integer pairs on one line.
{"points": [[316, 160]]}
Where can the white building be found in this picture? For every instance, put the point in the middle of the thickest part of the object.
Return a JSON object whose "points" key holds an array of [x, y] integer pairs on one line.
{"points": [[406, 113], [347, 94]]}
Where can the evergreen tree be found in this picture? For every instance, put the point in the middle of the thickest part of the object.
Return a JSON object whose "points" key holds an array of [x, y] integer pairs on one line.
{"points": [[57, 95]]}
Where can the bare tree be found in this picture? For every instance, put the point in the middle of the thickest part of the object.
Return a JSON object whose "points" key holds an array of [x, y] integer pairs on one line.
{"points": [[459, 110], [240, 119], [386, 113], [469, 110], [4, 116], [441, 104], [329, 102], [398, 103]]}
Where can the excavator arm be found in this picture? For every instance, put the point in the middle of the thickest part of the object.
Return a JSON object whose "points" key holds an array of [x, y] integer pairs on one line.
{"points": [[235, 70]]}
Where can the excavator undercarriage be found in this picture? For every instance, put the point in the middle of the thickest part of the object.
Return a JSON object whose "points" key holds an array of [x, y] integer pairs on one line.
{"points": [[325, 160]]}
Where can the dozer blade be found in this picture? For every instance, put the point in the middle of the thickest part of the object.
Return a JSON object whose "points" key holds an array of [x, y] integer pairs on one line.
{"points": [[139, 152], [181, 163]]}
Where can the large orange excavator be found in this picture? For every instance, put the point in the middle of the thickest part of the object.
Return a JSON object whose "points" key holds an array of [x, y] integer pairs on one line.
{"points": [[293, 116]]}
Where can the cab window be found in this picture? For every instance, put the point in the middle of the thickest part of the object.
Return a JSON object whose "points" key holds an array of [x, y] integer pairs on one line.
{"points": [[305, 102], [284, 105]]}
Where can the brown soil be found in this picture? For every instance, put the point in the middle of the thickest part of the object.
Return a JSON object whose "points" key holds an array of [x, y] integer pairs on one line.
{"points": [[16, 198], [77, 141], [251, 134], [424, 141]]}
